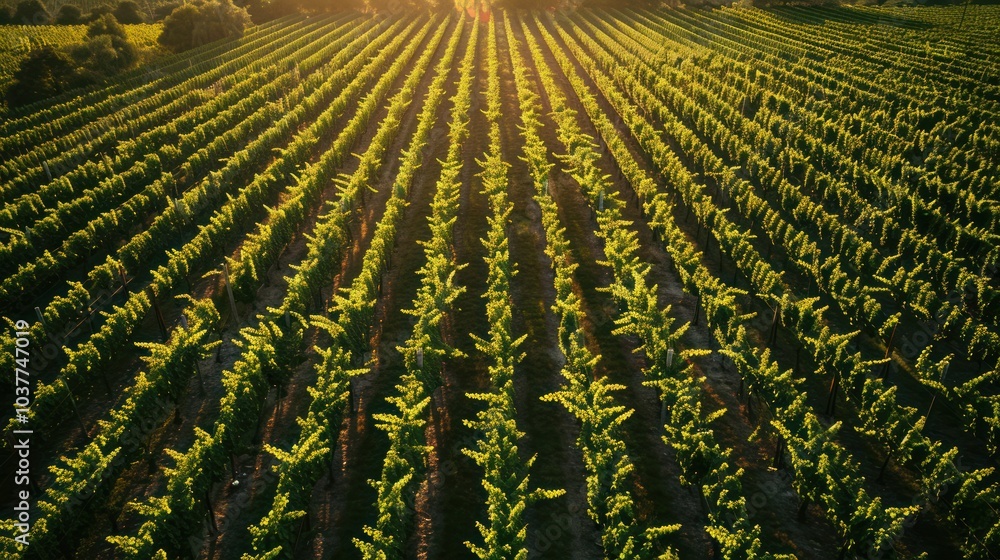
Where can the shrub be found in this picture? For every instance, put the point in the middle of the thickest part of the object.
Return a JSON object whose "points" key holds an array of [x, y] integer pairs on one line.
{"points": [[197, 23], [103, 56], [163, 10], [106, 51], [69, 14], [31, 12], [106, 25], [43, 73], [128, 12], [266, 10], [98, 12]]}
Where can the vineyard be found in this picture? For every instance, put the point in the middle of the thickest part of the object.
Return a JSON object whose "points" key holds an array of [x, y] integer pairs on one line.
{"points": [[16, 41], [659, 283]]}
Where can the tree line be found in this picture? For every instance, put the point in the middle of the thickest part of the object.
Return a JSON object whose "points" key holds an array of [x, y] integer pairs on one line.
{"points": [[33, 12]]}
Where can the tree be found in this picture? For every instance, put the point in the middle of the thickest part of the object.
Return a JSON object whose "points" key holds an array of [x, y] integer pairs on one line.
{"points": [[69, 15], [198, 23], [31, 12], [43, 73], [6, 15], [266, 10], [261, 10], [106, 51], [178, 28], [163, 10], [106, 25], [98, 12], [128, 12]]}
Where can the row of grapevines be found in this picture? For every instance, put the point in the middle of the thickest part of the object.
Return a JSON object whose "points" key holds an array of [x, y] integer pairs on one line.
{"points": [[44, 161], [84, 481], [262, 247], [902, 81], [704, 463], [211, 239], [30, 193], [58, 315], [326, 99], [854, 297], [897, 424], [505, 475], [299, 468], [973, 39], [270, 353], [911, 80], [945, 269], [920, 297], [719, 303], [70, 123], [330, 231], [79, 245], [26, 162], [856, 368], [83, 225], [168, 126], [841, 507], [63, 310], [950, 53], [591, 401], [868, 115], [425, 350], [818, 151], [884, 103], [127, 139], [23, 118]]}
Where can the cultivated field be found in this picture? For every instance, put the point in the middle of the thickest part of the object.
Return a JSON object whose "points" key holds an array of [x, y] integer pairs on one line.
{"points": [[575, 284], [16, 41]]}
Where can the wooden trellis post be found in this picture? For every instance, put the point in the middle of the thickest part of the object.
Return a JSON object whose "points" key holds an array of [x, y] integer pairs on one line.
{"points": [[229, 290]]}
